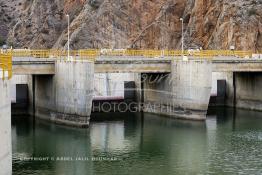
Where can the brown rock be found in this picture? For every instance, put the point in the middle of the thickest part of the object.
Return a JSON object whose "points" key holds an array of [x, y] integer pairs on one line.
{"points": [[151, 24]]}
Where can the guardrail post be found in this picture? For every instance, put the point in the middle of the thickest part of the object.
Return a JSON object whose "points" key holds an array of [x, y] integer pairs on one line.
{"points": [[6, 65]]}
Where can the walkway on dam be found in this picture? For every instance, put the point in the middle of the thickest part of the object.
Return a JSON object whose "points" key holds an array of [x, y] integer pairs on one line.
{"points": [[133, 61], [27, 61]]}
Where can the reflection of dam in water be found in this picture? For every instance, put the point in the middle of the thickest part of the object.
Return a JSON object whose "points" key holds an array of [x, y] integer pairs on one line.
{"points": [[144, 143], [107, 136], [114, 136], [122, 138]]}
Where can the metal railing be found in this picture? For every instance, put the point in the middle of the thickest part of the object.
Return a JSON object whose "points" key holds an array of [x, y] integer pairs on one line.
{"points": [[5, 66], [93, 54]]}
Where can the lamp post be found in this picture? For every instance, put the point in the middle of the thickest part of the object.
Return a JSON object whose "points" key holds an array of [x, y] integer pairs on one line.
{"points": [[182, 20], [68, 39]]}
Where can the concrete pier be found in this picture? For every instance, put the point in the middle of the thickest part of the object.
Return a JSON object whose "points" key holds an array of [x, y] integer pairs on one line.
{"points": [[182, 94], [75, 90], [229, 89], [242, 89], [192, 82], [5, 129], [66, 97], [248, 87]]}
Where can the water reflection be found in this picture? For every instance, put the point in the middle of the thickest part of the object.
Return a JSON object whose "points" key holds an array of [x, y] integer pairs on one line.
{"points": [[107, 137], [231, 149], [228, 142]]}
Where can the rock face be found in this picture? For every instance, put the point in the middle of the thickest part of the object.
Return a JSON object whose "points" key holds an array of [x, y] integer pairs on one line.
{"points": [[151, 24], [9, 10]]}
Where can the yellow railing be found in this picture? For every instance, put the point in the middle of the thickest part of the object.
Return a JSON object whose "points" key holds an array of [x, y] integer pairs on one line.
{"points": [[92, 54], [5, 66]]}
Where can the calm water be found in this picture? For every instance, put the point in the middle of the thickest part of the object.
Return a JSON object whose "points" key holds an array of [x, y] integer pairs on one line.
{"points": [[227, 143]]}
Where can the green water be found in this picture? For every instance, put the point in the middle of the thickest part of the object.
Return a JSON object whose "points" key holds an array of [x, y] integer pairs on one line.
{"points": [[227, 143]]}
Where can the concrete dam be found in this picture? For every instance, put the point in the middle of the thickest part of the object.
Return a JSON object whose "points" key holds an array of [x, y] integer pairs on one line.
{"points": [[61, 89], [65, 94]]}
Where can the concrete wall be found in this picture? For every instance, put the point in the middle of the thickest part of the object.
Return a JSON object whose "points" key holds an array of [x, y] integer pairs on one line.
{"points": [[23, 79], [157, 88], [184, 93], [112, 84], [248, 90], [17, 79], [228, 76], [138, 83], [5, 129], [66, 98], [45, 93]]}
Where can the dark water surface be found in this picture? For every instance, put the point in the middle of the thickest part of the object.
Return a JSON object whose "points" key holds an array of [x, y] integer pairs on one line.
{"points": [[227, 143]]}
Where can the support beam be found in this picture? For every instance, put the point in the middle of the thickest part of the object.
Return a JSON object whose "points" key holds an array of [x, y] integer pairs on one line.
{"points": [[36, 69], [118, 64], [5, 129]]}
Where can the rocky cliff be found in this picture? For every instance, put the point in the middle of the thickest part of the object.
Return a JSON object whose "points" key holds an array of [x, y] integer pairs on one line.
{"points": [[148, 24]]}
